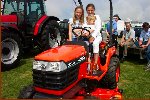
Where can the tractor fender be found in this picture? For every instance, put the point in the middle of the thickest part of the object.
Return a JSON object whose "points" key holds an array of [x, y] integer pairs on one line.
{"points": [[13, 28], [111, 52], [42, 22]]}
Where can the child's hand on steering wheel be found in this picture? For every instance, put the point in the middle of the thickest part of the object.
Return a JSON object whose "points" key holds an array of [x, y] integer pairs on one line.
{"points": [[77, 32], [85, 33]]}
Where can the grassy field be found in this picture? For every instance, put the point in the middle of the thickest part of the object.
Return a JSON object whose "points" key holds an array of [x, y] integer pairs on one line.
{"points": [[134, 81]]}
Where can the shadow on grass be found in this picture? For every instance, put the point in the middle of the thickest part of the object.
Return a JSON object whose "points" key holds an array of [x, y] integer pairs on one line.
{"points": [[135, 59], [31, 53], [26, 55], [18, 64]]}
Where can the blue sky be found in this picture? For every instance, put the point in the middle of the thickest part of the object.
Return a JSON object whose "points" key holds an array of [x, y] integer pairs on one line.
{"points": [[133, 9]]}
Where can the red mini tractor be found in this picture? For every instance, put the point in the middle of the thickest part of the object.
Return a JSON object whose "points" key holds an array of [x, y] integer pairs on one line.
{"points": [[25, 25], [62, 73]]}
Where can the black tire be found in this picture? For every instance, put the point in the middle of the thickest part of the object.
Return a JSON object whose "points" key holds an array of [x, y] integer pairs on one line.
{"points": [[49, 35], [64, 29], [11, 49], [111, 78], [63, 38], [27, 92]]}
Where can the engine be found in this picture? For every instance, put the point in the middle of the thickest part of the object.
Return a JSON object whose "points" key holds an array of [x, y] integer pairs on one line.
{"points": [[57, 68]]}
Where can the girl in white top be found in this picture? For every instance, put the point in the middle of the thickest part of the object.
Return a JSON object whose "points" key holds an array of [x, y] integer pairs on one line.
{"points": [[76, 21], [96, 37]]}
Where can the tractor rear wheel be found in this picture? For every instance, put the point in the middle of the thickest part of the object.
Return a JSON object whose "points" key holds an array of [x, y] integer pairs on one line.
{"points": [[27, 92], [112, 76], [50, 35], [11, 49]]}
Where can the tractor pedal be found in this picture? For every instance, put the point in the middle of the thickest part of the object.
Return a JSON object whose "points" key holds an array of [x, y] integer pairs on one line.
{"points": [[97, 73], [89, 73]]}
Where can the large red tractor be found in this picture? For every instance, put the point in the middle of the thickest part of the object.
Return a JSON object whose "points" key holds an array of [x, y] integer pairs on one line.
{"points": [[25, 25]]}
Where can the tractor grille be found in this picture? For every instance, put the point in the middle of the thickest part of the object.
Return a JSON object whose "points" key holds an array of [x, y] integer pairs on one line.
{"points": [[53, 80]]}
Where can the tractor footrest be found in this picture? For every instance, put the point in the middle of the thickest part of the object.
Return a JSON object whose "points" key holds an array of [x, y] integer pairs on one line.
{"points": [[97, 77], [97, 73]]}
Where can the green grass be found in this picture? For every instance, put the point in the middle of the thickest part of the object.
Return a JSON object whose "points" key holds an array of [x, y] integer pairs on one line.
{"points": [[134, 81], [14, 80]]}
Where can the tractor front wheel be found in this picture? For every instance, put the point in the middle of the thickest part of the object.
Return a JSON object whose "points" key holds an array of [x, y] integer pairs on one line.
{"points": [[11, 49], [27, 92], [112, 76], [50, 35]]}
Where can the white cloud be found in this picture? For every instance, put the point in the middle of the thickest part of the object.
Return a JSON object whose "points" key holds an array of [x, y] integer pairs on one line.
{"points": [[133, 9], [60, 9]]}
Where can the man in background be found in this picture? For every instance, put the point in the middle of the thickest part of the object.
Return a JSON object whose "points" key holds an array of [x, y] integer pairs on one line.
{"points": [[144, 42], [114, 29], [127, 40]]}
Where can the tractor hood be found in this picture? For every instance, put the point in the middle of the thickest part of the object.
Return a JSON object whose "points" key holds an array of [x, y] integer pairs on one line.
{"points": [[62, 53]]}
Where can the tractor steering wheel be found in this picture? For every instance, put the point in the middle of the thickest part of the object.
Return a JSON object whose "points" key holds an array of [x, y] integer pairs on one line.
{"points": [[80, 35], [84, 38]]}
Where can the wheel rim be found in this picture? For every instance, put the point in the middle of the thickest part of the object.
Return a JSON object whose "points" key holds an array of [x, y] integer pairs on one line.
{"points": [[54, 42], [10, 51], [117, 74]]}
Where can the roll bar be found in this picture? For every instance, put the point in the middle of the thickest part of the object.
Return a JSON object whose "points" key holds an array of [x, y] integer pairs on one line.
{"points": [[111, 15]]}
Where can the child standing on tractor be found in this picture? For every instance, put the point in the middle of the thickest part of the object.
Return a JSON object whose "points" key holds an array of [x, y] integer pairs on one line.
{"points": [[95, 36], [90, 26]]}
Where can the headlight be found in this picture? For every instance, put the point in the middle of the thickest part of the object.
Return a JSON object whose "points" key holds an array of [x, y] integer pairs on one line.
{"points": [[49, 66]]}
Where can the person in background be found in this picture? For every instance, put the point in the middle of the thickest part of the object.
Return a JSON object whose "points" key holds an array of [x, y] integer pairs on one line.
{"points": [[127, 39], [76, 21], [116, 17], [95, 36], [114, 29], [144, 42]]}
